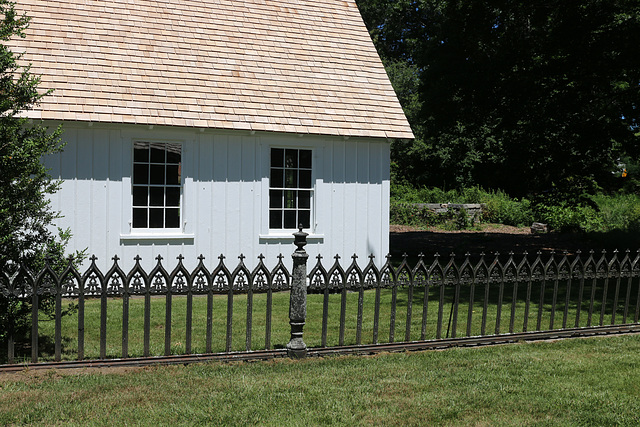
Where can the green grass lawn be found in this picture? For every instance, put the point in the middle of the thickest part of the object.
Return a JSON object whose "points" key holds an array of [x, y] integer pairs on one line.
{"points": [[594, 381], [313, 327]]}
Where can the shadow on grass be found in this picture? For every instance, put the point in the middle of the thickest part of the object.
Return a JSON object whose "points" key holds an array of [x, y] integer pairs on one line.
{"points": [[46, 348]]}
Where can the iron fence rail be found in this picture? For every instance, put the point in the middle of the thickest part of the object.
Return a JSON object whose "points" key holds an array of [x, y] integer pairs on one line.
{"points": [[440, 299]]}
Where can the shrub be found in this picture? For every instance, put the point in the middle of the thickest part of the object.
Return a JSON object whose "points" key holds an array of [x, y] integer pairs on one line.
{"points": [[499, 208], [404, 192], [619, 211], [410, 214], [558, 209], [463, 221], [566, 218]]}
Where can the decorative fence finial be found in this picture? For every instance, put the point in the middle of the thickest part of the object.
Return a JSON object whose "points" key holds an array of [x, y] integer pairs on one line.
{"points": [[300, 239]]}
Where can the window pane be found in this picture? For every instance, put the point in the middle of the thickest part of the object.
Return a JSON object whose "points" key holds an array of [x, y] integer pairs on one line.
{"points": [[305, 179], [140, 174], [275, 219], [157, 174], [290, 219], [173, 196], [277, 178], [275, 198], [173, 153], [140, 196], [140, 218], [277, 157], [305, 159], [305, 219], [291, 158], [304, 199], [141, 152], [290, 178], [290, 199], [172, 219], [173, 175], [155, 218], [157, 153], [156, 196]]}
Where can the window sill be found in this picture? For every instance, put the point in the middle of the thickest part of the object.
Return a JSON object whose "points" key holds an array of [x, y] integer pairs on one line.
{"points": [[288, 237], [156, 237]]}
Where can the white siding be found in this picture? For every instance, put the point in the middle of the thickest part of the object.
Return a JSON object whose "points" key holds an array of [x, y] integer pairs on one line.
{"points": [[225, 196]]}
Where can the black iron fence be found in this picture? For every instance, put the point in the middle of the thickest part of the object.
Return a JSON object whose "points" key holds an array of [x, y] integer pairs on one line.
{"points": [[349, 304]]}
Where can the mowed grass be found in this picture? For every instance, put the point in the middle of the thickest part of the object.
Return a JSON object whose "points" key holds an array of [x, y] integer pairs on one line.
{"points": [[594, 381], [484, 311]]}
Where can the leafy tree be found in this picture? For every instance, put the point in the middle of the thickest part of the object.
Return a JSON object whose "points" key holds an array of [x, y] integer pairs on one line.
{"points": [[523, 96], [26, 235]]}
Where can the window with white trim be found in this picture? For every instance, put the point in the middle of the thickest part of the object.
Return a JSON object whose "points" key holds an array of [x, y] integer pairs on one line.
{"points": [[157, 184], [290, 189]]}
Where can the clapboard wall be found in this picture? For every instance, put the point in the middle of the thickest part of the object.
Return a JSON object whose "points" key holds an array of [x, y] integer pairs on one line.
{"points": [[225, 178]]}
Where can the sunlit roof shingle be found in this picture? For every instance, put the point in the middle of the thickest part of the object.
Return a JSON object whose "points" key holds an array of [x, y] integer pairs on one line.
{"points": [[305, 66]]}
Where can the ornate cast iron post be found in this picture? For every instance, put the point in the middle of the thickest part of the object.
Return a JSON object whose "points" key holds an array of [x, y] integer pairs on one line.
{"points": [[298, 299]]}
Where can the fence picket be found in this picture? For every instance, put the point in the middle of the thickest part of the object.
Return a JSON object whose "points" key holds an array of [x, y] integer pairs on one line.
{"points": [[627, 269], [440, 311], [325, 316], [209, 333], [472, 292], [485, 309], [34, 323], [229, 334], [189, 323], [541, 304], [635, 318], [554, 301], [10, 342], [425, 310]]}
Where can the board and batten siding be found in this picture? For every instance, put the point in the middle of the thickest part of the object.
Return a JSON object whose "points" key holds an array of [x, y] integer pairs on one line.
{"points": [[225, 196]]}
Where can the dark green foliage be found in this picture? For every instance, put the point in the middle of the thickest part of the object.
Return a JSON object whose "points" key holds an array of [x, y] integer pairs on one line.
{"points": [[521, 96], [26, 235], [463, 220], [411, 214], [581, 212], [619, 212], [499, 208]]}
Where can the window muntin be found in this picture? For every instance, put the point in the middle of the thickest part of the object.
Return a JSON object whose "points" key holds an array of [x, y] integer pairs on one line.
{"points": [[290, 188], [157, 185]]}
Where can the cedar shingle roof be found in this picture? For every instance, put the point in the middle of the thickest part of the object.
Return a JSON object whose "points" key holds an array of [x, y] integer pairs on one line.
{"points": [[301, 66]]}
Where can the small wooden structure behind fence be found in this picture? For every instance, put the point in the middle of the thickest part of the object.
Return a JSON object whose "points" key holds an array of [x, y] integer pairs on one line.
{"points": [[428, 301]]}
